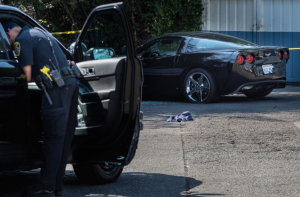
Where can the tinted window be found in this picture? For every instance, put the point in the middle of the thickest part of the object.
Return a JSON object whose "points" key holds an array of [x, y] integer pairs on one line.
{"points": [[216, 41], [3, 54], [166, 46], [105, 37]]}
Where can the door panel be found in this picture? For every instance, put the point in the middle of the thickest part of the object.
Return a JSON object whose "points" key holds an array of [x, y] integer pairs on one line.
{"points": [[109, 97], [101, 91]]}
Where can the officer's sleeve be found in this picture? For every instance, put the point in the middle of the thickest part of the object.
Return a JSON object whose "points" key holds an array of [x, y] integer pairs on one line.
{"points": [[24, 51]]}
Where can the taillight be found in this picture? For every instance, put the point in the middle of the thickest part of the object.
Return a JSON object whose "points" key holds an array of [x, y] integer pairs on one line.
{"points": [[280, 54], [250, 58], [240, 59], [286, 54]]}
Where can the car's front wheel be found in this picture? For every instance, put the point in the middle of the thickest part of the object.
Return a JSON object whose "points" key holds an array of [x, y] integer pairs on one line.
{"points": [[259, 94], [97, 173], [199, 86]]}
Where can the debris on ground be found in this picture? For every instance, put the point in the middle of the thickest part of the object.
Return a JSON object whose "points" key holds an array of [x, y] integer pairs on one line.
{"points": [[183, 117]]}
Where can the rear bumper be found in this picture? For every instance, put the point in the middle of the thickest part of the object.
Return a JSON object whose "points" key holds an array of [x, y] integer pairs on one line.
{"points": [[259, 85]]}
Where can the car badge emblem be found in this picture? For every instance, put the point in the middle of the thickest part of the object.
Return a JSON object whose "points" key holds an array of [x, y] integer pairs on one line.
{"points": [[267, 54]]}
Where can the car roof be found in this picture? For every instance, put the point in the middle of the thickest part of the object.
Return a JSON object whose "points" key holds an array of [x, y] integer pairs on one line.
{"points": [[190, 34]]}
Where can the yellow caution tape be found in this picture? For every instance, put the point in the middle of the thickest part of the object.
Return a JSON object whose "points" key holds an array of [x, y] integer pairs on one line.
{"points": [[66, 32], [294, 48], [72, 32]]}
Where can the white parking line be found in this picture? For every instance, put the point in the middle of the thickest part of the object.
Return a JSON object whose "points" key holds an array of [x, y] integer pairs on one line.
{"points": [[297, 124]]}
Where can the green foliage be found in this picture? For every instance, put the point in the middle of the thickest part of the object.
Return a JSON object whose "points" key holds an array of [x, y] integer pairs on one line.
{"points": [[166, 16], [150, 18]]}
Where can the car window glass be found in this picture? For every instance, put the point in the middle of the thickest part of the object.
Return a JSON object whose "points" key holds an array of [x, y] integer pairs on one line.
{"points": [[3, 54], [197, 44], [164, 47], [234, 41], [105, 37]]}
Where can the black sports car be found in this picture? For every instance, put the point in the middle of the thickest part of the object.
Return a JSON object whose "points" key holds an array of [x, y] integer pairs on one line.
{"points": [[110, 87], [203, 66]]}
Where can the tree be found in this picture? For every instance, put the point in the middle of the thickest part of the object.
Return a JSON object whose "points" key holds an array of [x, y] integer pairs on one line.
{"points": [[150, 18]]}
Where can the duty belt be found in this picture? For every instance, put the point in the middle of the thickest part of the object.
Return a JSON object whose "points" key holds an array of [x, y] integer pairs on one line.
{"points": [[67, 72]]}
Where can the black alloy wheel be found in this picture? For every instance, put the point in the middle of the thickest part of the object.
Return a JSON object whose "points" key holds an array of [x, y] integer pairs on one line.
{"points": [[199, 86], [97, 173], [259, 94]]}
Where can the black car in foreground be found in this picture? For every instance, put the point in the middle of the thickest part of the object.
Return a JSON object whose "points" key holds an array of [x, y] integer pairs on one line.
{"points": [[110, 84], [202, 66]]}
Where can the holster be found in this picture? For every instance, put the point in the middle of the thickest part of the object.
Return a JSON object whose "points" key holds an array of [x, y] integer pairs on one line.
{"points": [[45, 80], [76, 70]]}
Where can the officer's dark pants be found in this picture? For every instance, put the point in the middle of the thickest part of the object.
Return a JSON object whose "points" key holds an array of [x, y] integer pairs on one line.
{"points": [[59, 123]]}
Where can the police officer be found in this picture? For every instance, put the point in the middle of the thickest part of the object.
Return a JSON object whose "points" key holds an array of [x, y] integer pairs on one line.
{"points": [[34, 51]]}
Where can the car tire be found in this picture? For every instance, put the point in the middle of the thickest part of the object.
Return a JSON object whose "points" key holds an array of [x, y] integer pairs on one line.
{"points": [[259, 94], [199, 86], [97, 173]]}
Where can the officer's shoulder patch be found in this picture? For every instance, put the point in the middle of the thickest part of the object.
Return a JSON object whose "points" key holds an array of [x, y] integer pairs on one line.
{"points": [[17, 47]]}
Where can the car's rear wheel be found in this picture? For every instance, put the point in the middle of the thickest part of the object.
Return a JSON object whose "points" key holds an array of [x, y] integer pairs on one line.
{"points": [[259, 94], [199, 86], [97, 173]]}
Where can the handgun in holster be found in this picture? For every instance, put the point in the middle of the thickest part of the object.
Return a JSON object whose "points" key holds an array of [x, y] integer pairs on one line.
{"points": [[40, 83], [46, 78], [52, 75]]}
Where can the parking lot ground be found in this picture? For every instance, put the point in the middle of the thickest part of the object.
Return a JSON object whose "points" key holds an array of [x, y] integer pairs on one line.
{"points": [[237, 147]]}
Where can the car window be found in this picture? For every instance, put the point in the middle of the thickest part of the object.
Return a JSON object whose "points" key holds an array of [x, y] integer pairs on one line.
{"points": [[105, 37], [3, 54], [217, 42], [166, 47]]}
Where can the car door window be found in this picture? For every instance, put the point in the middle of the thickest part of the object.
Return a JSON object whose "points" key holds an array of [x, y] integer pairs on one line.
{"points": [[163, 47], [3, 54], [104, 38], [197, 44]]}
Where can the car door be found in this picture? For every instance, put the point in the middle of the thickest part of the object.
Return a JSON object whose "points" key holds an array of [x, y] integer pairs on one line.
{"points": [[158, 59], [109, 90], [14, 128]]}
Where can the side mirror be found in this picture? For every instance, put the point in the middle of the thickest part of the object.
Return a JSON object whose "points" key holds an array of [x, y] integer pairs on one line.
{"points": [[72, 47]]}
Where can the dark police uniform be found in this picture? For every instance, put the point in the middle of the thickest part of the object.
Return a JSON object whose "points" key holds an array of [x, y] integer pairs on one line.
{"points": [[32, 47]]}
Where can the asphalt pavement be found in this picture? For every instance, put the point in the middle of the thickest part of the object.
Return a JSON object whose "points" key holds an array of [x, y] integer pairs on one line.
{"points": [[236, 147]]}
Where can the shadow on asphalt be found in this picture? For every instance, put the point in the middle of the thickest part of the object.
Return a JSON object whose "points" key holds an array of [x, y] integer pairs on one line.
{"points": [[285, 94], [237, 98], [129, 184]]}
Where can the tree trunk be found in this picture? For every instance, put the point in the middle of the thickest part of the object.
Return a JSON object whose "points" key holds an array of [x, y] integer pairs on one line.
{"points": [[82, 8], [70, 15], [133, 21], [93, 3], [37, 11]]}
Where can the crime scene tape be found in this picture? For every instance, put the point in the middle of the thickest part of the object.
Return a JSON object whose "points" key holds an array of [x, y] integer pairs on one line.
{"points": [[66, 32], [294, 48], [72, 32]]}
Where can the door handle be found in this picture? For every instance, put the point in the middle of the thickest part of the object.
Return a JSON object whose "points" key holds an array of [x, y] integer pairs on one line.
{"points": [[90, 71]]}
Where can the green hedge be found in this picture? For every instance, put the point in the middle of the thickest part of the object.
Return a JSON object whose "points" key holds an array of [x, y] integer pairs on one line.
{"points": [[150, 18]]}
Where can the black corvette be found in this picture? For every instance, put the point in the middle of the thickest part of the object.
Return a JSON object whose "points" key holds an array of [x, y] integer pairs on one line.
{"points": [[203, 66]]}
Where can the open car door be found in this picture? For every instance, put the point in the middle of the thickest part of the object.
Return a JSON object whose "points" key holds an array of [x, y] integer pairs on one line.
{"points": [[109, 89]]}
